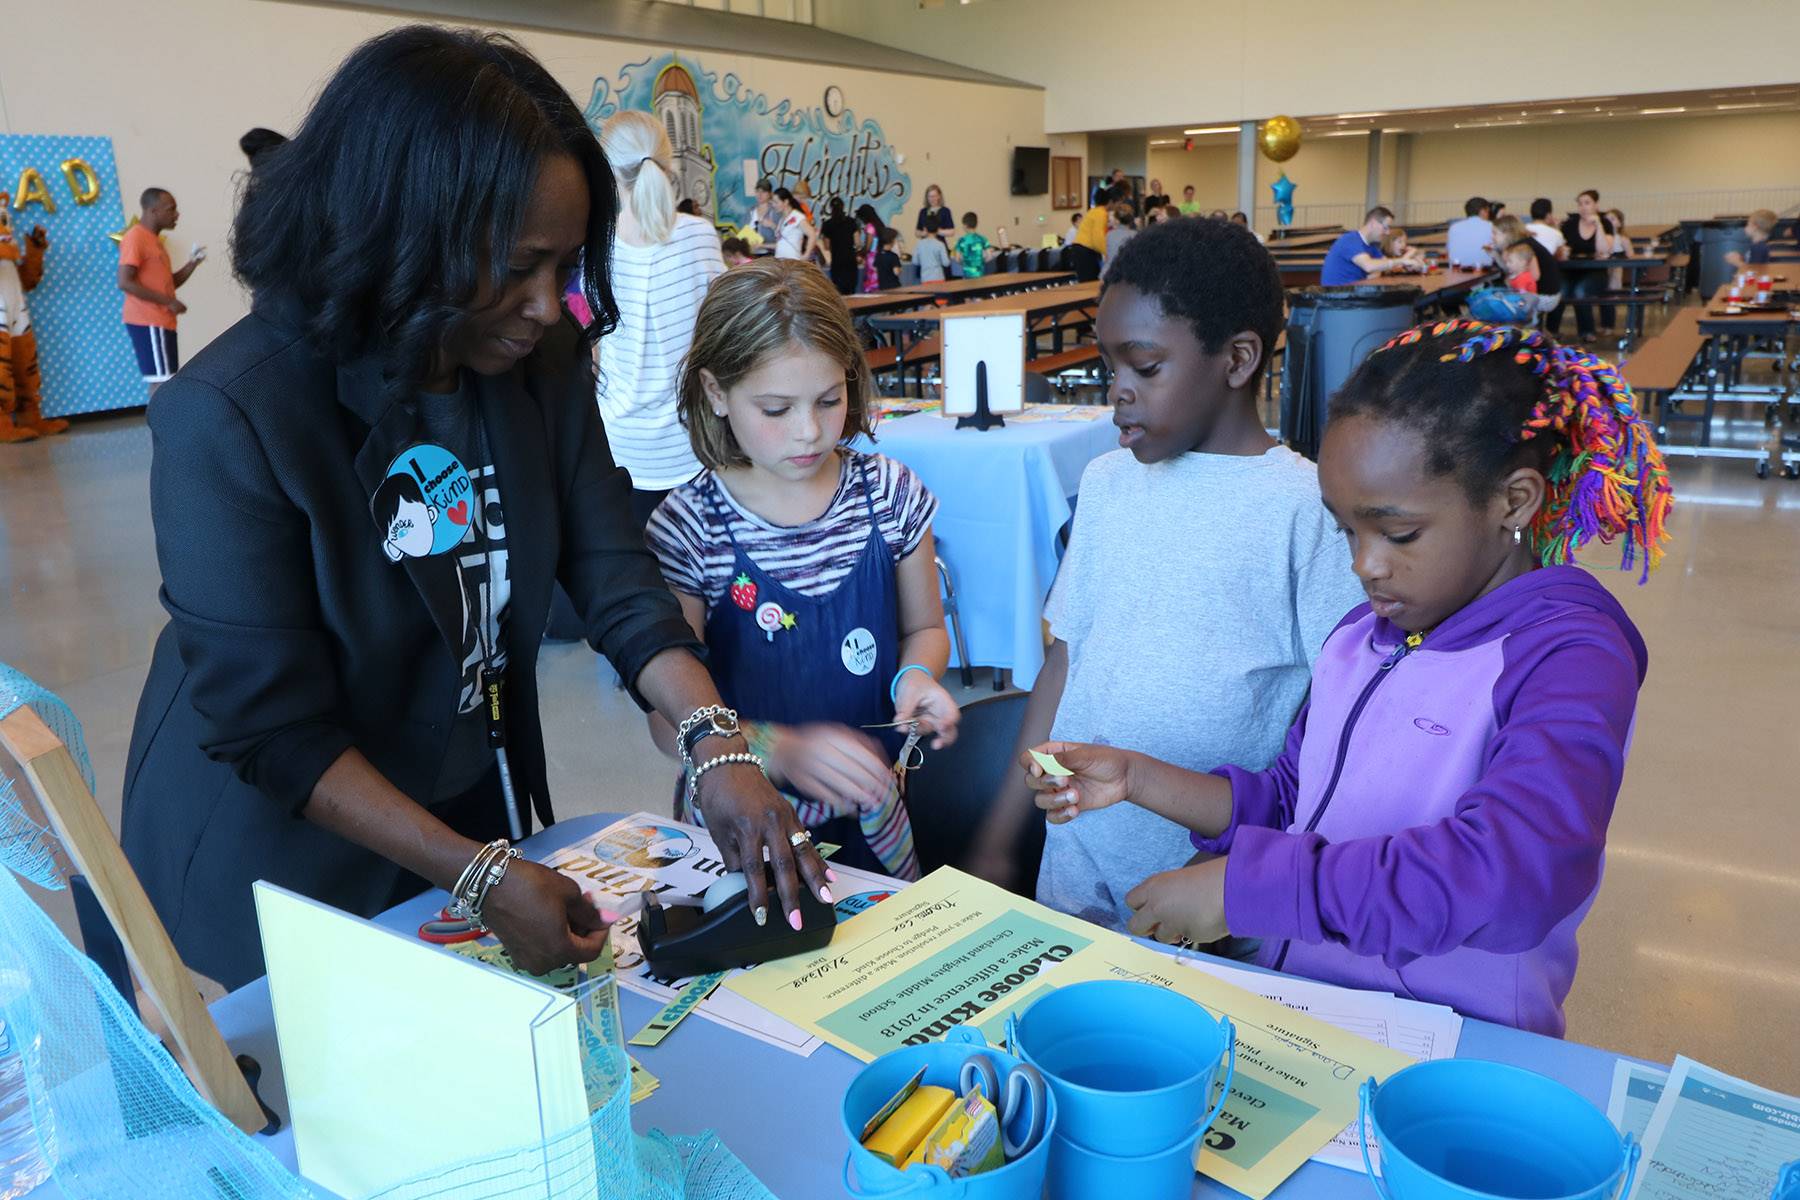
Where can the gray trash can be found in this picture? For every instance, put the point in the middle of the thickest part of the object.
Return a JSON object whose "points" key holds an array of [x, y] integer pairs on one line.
{"points": [[1330, 331]]}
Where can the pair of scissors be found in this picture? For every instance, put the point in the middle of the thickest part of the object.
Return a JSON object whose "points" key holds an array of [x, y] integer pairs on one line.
{"points": [[447, 930], [911, 758], [1024, 1086]]}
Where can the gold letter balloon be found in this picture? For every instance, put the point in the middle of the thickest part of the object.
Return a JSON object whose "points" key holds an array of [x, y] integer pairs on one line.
{"points": [[32, 190], [84, 184], [1279, 138]]}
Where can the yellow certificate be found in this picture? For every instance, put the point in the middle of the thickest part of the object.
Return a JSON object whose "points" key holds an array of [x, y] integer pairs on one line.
{"points": [[955, 950]]}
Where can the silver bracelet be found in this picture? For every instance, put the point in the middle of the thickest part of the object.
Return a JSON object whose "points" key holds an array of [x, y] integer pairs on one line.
{"points": [[495, 873], [711, 715], [472, 872], [693, 787], [484, 871]]}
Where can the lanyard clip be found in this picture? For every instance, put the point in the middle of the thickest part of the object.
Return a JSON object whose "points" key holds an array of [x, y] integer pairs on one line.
{"points": [[493, 687]]}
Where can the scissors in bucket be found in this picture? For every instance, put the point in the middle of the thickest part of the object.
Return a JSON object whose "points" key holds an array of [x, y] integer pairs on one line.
{"points": [[1024, 1086]]}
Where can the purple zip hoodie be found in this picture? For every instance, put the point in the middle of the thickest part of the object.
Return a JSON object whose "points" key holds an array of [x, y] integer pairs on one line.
{"points": [[1436, 824]]}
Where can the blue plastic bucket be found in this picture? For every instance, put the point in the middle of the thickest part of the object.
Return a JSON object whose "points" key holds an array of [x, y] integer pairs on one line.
{"points": [[1080, 1174], [1463, 1129], [1132, 1064], [865, 1175]]}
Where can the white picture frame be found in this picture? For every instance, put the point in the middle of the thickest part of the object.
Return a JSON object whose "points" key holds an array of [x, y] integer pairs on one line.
{"points": [[994, 339]]}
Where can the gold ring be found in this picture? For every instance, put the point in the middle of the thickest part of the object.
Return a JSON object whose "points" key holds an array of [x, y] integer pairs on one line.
{"points": [[798, 837]]}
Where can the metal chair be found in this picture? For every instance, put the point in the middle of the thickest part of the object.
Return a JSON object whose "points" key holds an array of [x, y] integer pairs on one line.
{"points": [[953, 618]]}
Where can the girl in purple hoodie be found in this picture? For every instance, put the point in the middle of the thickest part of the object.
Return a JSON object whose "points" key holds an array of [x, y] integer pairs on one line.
{"points": [[1437, 822]]}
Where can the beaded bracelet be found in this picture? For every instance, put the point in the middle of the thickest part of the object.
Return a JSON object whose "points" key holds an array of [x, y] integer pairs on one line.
{"points": [[693, 788]]}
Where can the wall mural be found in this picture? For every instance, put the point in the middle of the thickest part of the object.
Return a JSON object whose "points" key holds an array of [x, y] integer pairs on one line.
{"points": [[727, 136]]}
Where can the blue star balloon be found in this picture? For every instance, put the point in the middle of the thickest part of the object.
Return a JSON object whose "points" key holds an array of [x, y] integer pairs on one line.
{"points": [[1283, 189]]}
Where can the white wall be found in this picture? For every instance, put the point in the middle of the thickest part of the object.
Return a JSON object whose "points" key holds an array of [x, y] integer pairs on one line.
{"points": [[1135, 64], [1655, 169], [222, 66]]}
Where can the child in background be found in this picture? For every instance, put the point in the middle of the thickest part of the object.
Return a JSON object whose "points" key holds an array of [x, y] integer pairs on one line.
{"points": [[1121, 227], [1394, 246], [736, 251], [1170, 638], [1437, 822], [931, 254], [1521, 268], [972, 248], [1068, 237], [1547, 273], [1757, 227], [806, 567], [887, 261]]}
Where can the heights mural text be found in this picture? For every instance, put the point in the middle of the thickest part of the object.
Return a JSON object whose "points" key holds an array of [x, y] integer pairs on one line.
{"points": [[727, 136]]}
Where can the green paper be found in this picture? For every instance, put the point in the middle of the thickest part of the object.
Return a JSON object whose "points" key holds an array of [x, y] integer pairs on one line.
{"points": [[1050, 765]]}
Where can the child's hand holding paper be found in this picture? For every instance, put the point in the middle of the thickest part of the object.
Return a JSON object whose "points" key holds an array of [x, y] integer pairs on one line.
{"points": [[1068, 778]]}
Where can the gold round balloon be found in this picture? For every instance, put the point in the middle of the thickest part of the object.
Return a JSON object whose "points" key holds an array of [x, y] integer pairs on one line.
{"points": [[1279, 138]]}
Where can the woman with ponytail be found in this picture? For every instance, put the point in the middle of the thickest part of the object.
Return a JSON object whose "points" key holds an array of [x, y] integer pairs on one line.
{"points": [[1437, 823], [662, 263]]}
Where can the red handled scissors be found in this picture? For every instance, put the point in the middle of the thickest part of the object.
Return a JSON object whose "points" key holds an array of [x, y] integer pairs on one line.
{"points": [[448, 930]]}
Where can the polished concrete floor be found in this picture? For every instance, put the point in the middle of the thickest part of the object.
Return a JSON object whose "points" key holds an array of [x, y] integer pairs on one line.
{"points": [[1692, 947]]}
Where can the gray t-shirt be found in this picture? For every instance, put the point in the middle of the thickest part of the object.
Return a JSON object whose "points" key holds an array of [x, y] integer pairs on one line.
{"points": [[1194, 596], [933, 258]]}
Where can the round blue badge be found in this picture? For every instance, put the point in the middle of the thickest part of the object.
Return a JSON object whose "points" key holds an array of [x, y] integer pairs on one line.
{"points": [[426, 503]]}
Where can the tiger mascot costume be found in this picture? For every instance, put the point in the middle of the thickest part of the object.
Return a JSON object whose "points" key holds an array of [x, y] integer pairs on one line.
{"points": [[21, 399]]}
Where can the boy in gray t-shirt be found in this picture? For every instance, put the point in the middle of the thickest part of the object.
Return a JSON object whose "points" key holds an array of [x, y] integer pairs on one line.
{"points": [[1203, 572], [931, 254]]}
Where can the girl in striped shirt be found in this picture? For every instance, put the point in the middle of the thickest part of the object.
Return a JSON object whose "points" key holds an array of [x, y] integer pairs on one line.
{"points": [[806, 566]]}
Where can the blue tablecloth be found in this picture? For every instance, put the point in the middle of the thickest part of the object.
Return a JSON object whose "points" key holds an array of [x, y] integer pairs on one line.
{"points": [[1003, 495], [779, 1113]]}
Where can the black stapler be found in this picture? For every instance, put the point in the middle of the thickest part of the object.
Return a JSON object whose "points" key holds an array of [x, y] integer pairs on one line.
{"points": [[721, 935]]}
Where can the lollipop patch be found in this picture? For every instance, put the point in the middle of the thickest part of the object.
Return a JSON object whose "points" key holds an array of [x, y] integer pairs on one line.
{"points": [[771, 618]]}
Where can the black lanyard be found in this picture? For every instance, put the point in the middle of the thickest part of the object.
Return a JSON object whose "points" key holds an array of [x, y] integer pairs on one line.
{"points": [[493, 676]]}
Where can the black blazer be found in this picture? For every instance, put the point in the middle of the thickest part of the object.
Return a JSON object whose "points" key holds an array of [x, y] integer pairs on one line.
{"points": [[292, 637]]}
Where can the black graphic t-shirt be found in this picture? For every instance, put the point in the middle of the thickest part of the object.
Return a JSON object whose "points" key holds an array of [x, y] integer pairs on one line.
{"points": [[484, 583]]}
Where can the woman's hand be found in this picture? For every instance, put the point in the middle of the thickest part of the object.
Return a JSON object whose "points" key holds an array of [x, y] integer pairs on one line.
{"points": [[542, 918], [838, 766], [1101, 777], [1184, 905], [923, 699], [750, 822]]}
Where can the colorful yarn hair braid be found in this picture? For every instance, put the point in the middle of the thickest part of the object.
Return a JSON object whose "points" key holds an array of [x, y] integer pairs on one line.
{"points": [[1607, 479]]}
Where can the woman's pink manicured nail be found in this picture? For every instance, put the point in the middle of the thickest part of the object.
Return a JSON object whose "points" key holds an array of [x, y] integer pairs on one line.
{"points": [[794, 919]]}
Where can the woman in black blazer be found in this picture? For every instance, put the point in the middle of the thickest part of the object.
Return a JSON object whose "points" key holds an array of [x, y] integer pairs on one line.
{"points": [[362, 494]]}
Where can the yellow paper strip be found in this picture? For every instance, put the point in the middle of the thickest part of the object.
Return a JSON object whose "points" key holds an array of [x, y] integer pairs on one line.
{"points": [[642, 1081], [676, 1009], [1050, 765]]}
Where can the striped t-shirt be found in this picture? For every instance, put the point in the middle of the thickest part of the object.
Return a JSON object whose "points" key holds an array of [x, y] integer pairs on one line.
{"points": [[658, 289], [689, 536]]}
